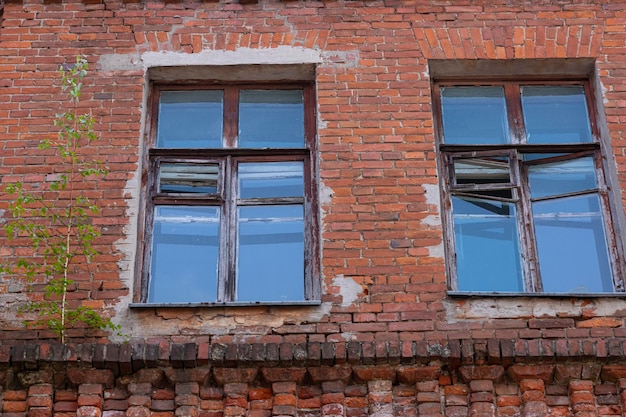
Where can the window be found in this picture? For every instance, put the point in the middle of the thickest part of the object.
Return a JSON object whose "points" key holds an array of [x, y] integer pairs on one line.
{"points": [[525, 200], [230, 197]]}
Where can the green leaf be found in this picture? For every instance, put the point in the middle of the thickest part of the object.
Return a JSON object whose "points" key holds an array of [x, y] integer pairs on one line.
{"points": [[59, 228]]}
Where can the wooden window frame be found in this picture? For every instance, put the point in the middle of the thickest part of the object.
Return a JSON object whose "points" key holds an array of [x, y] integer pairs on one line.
{"points": [[228, 157], [517, 147]]}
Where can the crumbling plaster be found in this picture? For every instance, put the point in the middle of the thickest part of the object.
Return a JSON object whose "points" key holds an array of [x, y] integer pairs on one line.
{"points": [[484, 307]]}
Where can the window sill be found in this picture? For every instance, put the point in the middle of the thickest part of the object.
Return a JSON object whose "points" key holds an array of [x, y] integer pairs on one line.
{"points": [[229, 304], [471, 294]]}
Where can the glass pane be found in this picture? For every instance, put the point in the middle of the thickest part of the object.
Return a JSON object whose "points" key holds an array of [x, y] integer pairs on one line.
{"points": [[571, 242], [271, 179], [529, 157], [190, 119], [184, 254], [482, 170], [188, 178], [474, 115], [271, 119], [562, 177], [556, 114], [487, 246], [270, 263]]}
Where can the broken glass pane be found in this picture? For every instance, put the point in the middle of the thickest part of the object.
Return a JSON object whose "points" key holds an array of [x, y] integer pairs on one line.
{"points": [[271, 119], [474, 115], [271, 179], [571, 243], [190, 119], [270, 262], [562, 177], [556, 114], [188, 178], [487, 246], [478, 171], [184, 254]]}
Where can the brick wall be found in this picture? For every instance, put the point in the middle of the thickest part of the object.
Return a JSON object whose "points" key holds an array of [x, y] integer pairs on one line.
{"points": [[383, 269]]}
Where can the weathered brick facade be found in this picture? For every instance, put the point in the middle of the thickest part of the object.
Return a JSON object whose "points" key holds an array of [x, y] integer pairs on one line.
{"points": [[387, 338]]}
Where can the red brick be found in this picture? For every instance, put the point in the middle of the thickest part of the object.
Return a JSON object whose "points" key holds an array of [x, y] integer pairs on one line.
{"points": [[259, 394], [13, 406], [520, 372], [532, 385], [61, 395], [163, 394], [508, 401], [95, 389], [211, 393], [371, 374], [139, 412], [319, 374], [226, 375], [483, 372], [481, 386], [14, 395], [412, 375], [88, 411], [65, 406], [162, 405], [578, 385], [39, 401], [89, 400], [41, 389]]}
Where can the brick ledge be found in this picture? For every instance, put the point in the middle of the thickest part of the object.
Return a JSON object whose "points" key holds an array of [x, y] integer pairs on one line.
{"points": [[127, 358]]}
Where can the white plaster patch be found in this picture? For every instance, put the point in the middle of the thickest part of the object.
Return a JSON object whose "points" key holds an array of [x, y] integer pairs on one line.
{"points": [[435, 251], [10, 303], [432, 220], [242, 56], [119, 62], [433, 198], [349, 289], [325, 194], [346, 58], [604, 90], [432, 194]]}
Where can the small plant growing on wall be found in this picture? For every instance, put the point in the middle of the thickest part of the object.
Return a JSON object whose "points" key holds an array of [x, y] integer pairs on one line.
{"points": [[51, 220]]}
